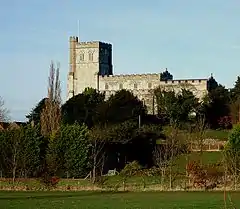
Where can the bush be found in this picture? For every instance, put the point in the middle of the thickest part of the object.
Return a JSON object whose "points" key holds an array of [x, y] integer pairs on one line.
{"points": [[225, 122], [49, 181], [204, 176], [232, 151], [130, 169]]}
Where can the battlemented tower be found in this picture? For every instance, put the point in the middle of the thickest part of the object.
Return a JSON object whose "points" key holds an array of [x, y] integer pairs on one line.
{"points": [[91, 66], [88, 60]]}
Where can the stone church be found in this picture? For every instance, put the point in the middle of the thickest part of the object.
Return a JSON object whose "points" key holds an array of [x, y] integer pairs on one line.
{"points": [[91, 66]]}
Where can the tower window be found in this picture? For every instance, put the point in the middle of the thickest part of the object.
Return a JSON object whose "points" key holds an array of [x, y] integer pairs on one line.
{"points": [[90, 56], [81, 57], [120, 86], [135, 85]]}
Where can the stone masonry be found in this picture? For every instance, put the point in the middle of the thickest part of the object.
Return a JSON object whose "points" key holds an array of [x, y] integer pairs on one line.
{"points": [[91, 66]]}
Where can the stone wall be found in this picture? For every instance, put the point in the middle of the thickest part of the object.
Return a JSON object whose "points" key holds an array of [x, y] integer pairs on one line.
{"points": [[88, 59], [142, 86]]}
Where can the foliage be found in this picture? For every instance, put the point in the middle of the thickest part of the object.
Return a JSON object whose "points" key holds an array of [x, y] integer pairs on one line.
{"points": [[130, 169], [77, 149], [35, 113], [175, 108], [82, 107], [20, 154], [49, 181], [232, 151], [225, 122], [206, 176], [216, 105], [120, 107], [235, 91]]}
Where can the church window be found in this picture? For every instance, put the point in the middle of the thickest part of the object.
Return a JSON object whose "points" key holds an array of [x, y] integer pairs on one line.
{"points": [[149, 85], [106, 86], [120, 86], [90, 56], [81, 57], [135, 85]]}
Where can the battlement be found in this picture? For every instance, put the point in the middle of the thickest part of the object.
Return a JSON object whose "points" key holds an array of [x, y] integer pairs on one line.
{"points": [[133, 76], [152, 76], [97, 44], [181, 81]]}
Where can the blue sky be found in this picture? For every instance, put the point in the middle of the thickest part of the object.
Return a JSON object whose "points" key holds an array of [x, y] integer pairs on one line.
{"points": [[191, 38]]}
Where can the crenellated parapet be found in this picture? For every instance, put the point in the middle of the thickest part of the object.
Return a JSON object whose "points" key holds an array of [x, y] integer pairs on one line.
{"points": [[133, 76], [90, 65]]}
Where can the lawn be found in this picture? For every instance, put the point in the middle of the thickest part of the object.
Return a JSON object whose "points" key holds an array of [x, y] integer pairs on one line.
{"points": [[221, 135], [96, 200]]}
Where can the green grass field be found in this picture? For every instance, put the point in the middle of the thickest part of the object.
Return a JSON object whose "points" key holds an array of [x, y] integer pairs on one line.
{"points": [[95, 200], [135, 182], [213, 134]]}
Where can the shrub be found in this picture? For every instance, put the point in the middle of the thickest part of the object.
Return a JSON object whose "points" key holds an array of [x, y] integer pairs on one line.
{"points": [[49, 181], [208, 176], [225, 122]]}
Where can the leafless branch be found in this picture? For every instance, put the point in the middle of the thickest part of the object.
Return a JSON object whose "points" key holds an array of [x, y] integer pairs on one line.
{"points": [[51, 114], [3, 111]]}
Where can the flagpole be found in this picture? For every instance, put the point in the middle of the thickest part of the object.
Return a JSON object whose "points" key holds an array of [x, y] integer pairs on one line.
{"points": [[78, 29]]}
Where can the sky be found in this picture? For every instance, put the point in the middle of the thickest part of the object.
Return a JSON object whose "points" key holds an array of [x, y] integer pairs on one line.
{"points": [[191, 38]]}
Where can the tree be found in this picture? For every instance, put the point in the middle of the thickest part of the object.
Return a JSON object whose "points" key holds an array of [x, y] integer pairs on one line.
{"points": [[216, 105], [97, 157], [166, 152], [51, 114], [235, 91], [120, 107], [232, 154], [35, 114], [82, 107], [30, 161], [20, 151], [3, 111], [77, 149], [175, 108], [235, 102]]}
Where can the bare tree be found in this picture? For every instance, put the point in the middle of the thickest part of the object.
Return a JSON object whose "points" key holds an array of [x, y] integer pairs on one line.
{"points": [[200, 129], [51, 114], [98, 153], [166, 153], [173, 148], [3, 111]]}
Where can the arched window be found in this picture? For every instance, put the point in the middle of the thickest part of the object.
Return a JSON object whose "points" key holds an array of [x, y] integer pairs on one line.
{"points": [[82, 57], [90, 56]]}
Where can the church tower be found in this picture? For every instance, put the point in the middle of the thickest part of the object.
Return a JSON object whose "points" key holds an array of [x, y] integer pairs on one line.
{"points": [[88, 61]]}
